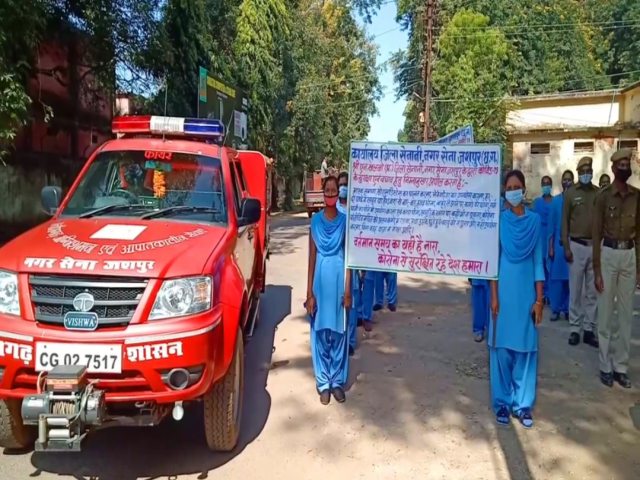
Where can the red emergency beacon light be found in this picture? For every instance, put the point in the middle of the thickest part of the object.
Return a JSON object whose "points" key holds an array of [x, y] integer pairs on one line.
{"points": [[174, 126]]}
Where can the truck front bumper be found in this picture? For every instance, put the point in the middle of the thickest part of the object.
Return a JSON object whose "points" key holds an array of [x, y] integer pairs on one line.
{"points": [[131, 364]]}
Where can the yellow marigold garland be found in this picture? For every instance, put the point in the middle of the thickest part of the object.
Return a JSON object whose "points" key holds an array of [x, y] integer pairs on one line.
{"points": [[159, 185]]}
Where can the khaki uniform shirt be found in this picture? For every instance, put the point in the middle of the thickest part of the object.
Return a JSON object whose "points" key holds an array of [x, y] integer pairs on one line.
{"points": [[577, 212], [616, 217]]}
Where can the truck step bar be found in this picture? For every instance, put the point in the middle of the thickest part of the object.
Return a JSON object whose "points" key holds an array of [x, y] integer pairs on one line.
{"points": [[253, 317]]}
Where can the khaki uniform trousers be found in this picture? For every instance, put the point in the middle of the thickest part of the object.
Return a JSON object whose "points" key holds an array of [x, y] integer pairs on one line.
{"points": [[614, 331], [583, 299]]}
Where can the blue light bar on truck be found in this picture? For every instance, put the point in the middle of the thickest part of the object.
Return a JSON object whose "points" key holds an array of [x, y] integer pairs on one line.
{"points": [[193, 127]]}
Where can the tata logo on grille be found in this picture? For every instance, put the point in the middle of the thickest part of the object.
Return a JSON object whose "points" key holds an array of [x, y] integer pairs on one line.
{"points": [[82, 318], [84, 302]]}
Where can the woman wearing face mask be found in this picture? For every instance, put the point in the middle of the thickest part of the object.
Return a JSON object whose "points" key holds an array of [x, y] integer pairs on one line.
{"points": [[557, 264], [343, 191], [605, 180], [516, 304], [542, 206], [328, 294]]}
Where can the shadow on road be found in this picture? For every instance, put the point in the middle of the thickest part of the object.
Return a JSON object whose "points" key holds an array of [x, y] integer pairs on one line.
{"points": [[434, 379], [286, 230], [177, 448]]}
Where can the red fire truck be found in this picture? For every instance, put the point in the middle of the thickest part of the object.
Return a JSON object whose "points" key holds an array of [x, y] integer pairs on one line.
{"points": [[137, 296]]}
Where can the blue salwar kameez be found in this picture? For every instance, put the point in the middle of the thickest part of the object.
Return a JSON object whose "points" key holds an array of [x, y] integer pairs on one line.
{"points": [[368, 293], [329, 343], [391, 281], [355, 312], [513, 336], [543, 208], [557, 266], [480, 305]]}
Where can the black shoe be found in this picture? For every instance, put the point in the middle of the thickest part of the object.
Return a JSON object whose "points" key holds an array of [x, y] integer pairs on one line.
{"points": [[368, 326], [566, 316], [606, 379], [325, 397], [574, 339], [377, 307], [555, 317], [623, 379], [338, 394], [392, 307], [590, 339], [352, 351]]}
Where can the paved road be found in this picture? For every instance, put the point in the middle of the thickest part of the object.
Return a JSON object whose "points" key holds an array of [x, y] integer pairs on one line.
{"points": [[417, 407]]}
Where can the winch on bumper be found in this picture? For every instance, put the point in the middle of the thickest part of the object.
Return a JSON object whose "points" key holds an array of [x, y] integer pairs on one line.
{"points": [[65, 410]]}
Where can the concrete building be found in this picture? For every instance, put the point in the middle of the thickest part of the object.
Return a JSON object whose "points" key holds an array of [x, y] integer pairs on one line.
{"points": [[548, 134]]}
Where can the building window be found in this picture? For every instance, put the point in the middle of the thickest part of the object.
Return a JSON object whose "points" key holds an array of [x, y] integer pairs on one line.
{"points": [[540, 148], [582, 147], [632, 144]]}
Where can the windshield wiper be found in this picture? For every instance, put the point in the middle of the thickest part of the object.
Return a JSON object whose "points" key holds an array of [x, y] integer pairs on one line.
{"points": [[164, 212], [110, 208]]}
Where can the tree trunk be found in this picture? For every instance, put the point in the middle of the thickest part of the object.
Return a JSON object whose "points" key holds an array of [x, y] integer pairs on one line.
{"points": [[288, 195]]}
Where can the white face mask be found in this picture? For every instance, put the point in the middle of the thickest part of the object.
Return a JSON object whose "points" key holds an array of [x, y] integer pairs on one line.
{"points": [[514, 197]]}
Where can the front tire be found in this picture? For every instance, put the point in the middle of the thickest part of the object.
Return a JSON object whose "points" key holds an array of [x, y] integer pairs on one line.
{"points": [[223, 404], [14, 434]]}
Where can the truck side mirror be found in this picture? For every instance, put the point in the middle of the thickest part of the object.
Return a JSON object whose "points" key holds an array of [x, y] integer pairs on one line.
{"points": [[250, 211], [51, 197]]}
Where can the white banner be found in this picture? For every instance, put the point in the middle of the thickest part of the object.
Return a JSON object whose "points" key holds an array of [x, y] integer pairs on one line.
{"points": [[424, 208]]}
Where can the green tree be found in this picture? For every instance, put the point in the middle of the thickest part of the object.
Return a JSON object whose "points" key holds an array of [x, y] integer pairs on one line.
{"points": [[21, 26], [263, 28], [621, 46], [185, 43], [472, 77]]}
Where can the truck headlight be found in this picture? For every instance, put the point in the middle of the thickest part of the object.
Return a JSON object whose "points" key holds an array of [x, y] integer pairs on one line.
{"points": [[9, 293], [183, 296]]}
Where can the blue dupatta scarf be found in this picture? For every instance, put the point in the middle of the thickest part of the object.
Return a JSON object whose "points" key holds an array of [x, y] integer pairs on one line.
{"points": [[519, 235], [328, 235]]}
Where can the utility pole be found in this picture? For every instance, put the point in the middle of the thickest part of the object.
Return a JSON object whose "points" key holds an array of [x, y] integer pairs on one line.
{"points": [[428, 17]]}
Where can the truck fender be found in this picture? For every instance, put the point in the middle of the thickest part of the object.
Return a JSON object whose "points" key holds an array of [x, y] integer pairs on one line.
{"points": [[233, 297]]}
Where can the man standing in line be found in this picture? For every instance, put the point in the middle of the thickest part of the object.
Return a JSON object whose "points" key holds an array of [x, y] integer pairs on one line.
{"points": [[617, 268], [577, 232]]}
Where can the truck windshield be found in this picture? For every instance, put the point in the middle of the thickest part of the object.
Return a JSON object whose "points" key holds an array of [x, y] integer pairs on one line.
{"points": [[137, 183]]}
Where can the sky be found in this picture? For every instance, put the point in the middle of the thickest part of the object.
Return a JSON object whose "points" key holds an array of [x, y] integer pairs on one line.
{"points": [[389, 38]]}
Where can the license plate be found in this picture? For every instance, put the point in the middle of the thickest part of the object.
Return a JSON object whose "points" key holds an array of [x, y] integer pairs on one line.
{"points": [[98, 358]]}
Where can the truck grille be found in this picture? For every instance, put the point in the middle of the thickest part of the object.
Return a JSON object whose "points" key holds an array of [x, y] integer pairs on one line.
{"points": [[116, 299]]}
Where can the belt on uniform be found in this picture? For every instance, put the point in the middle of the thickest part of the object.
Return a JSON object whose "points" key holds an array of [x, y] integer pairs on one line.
{"points": [[619, 244], [587, 242]]}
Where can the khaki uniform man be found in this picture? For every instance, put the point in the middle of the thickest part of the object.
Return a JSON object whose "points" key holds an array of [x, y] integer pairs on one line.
{"points": [[577, 231], [616, 261]]}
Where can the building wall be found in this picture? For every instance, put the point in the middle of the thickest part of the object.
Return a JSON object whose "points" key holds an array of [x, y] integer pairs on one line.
{"points": [[564, 152], [598, 114], [631, 107]]}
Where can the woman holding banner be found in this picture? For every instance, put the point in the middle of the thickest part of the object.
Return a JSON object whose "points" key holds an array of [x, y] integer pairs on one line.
{"points": [[328, 294], [517, 303]]}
